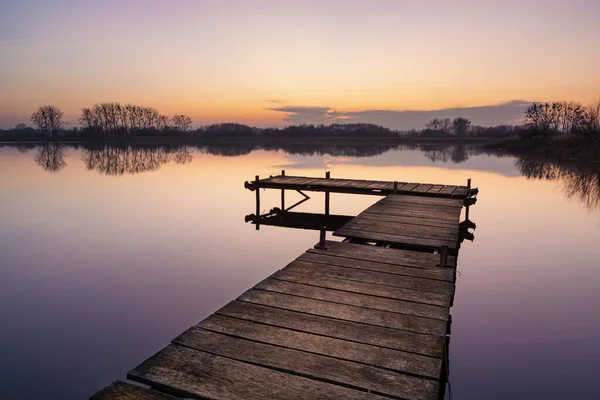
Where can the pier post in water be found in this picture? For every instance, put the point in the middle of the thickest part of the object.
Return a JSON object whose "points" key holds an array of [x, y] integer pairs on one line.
{"points": [[327, 176], [257, 185], [283, 193]]}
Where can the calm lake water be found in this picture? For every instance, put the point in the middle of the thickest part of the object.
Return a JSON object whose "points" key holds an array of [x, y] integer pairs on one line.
{"points": [[106, 254]]}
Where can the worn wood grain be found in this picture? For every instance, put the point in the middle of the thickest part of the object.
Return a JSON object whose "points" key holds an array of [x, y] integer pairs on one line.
{"points": [[354, 299], [395, 360], [447, 226], [408, 187], [428, 345], [126, 391], [435, 189], [373, 289], [345, 312], [395, 228], [395, 239], [422, 208], [428, 285], [422, 188], [383, 254], [461, 191], [448, 190], [310, 365], [437, 201], [322, 257], [193, 373], [383, 209]]}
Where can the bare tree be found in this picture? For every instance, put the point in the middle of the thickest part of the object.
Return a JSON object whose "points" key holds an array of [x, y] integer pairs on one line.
{"points": [[182, 123], [48, 120], [461, 126]]}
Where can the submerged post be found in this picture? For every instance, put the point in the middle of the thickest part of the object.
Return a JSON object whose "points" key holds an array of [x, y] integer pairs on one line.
{"points": [[468, 196], [322, 238], [256, 183], [444, 256], [327, 176], [283, 193]]}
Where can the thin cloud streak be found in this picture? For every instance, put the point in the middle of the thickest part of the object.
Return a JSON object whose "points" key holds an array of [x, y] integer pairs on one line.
{"points": [[508, 113]]}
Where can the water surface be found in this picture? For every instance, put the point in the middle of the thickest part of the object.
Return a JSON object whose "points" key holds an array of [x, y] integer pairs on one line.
{"points": [[108, 252]]}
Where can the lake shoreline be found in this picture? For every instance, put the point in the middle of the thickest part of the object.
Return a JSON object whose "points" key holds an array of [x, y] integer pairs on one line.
{"points": [[183, 140], [563, 149]]}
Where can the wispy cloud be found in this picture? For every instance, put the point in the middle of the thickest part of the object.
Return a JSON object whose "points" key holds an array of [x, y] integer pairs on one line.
{"points": [[505, 113], [10, 41], [275, 101]]}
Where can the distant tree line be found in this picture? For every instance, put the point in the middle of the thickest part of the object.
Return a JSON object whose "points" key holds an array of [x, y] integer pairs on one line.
{"points": [[563, 118], [108, 120]]}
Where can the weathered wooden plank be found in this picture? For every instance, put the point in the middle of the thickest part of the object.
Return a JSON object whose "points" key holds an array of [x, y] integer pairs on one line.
{"points": [[410, 282], [435, 189], [412, 220], [315, 366], [379, 185], [126, 391], [373, 289], [382, 209], [395, 228], [383, 254], [361, 315], [443, 274], [422, 188], [428, 345], [447, 190], [354, 299], [193, 373], [408, 187], [394, 360], [395, 239], [423, 208], [461, 191], [362, 184], [438, 201]]}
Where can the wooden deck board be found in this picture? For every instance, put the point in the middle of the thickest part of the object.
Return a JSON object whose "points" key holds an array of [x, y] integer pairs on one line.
{"points": [[373, 289], [354, 299], [345, 312], [383, 255], [314, 366], [396, 339], [442, 274], [352, 274], [394, 360], [194, 373]]}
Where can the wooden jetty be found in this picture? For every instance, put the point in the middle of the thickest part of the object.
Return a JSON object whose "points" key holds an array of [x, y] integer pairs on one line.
{"points": [[366, 318]]}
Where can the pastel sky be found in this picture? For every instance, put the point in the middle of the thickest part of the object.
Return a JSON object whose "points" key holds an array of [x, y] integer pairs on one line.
{"points": [[276, 62]]}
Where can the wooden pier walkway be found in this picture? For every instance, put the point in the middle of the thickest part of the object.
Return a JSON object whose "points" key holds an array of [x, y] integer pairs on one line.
{"points": [[354, 186], [344, 320]]}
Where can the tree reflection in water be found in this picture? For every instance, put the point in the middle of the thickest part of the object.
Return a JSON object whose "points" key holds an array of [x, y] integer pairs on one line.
{"points": [[50, 156], [111, 159], [580, 183]]}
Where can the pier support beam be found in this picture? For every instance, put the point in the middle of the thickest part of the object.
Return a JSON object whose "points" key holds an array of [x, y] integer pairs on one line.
{"points": [[257, 185], [327, 176], [283, 192]]}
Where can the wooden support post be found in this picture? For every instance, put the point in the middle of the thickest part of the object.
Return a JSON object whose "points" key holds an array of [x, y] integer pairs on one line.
{"points": [[468, 195], [327, 176], [395, 187], [257, 185], [283, 193], [322, 236], [444, 256]]}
